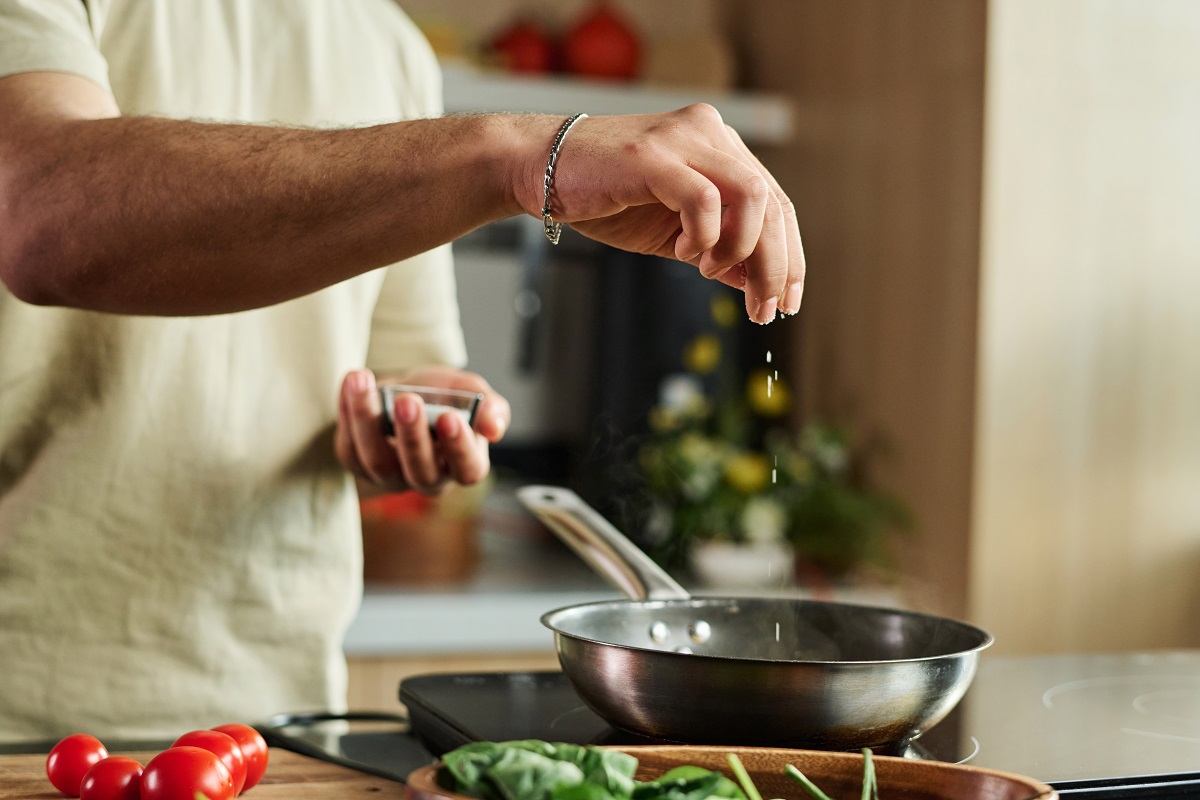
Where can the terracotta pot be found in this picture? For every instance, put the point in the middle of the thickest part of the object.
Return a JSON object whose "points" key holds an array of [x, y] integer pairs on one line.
{"points": [[732, 565], [419, 548]]}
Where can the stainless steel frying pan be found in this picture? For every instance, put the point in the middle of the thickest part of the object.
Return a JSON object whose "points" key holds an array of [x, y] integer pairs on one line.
{"points": [[743, 670]]}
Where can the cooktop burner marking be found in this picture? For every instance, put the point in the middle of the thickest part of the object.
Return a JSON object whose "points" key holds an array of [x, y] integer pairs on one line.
{"points": [[974, 751], [1169, 703], [1156, 735], [1111, 680]]}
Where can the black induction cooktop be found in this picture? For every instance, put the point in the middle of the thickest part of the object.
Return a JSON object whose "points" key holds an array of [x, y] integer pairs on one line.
{"points": [[1093, 726]]}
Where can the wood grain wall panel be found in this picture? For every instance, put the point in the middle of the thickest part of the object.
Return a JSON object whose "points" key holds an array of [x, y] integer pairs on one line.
{"points": [[885, 173], [1086, 531]]}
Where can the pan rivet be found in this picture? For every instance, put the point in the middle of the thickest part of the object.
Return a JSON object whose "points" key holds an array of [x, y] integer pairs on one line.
{"points": [[700, 631], [684, 649], [659, 632]]}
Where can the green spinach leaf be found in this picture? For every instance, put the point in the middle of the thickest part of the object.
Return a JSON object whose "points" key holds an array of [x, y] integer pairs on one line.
{"points": [[582, 791], [688, 783], [526, 775], [531, 769]]}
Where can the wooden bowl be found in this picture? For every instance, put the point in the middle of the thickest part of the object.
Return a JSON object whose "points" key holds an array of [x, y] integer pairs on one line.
{"points": [[839, 775]]}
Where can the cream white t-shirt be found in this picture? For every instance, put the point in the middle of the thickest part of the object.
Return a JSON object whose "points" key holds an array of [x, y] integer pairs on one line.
{"points": [[178, 545]]}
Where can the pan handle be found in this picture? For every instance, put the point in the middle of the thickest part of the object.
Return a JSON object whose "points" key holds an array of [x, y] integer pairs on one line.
{"points": [[603, 547]]}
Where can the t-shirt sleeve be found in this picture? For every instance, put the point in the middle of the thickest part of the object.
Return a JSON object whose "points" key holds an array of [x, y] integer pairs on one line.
{"points": [[416, 319], [49, 35]]}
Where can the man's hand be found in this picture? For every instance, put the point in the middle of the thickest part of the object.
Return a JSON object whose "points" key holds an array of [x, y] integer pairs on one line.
{"points": [[414, 458], [678, 185]]}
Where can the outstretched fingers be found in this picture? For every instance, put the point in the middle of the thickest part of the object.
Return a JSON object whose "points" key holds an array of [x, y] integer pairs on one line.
{"points": [[684, 184], [721, 205], [744, 200], [736, 224], [766, 268], [794, 262]]}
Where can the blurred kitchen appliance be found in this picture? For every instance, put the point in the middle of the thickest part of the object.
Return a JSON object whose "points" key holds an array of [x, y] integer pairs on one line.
{"points": [[579, 338], [528, 318]]}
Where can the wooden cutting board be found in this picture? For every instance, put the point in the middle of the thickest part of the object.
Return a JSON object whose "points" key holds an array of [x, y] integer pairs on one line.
{"points": [[288, 775]]}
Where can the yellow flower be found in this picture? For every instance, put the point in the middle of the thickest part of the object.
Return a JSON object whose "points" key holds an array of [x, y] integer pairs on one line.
{"points": [[703, 354], [748, 472], [663, 419], [766, 395], [724, 310]]}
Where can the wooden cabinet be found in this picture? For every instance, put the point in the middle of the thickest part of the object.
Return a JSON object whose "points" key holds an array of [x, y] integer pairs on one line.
{"points": [[374, 681]]}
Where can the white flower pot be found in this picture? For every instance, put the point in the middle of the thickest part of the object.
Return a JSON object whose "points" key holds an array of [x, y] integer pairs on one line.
{"points": [[750, 565]]}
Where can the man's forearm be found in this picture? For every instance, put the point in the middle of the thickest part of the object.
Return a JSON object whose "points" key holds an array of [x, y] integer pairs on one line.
{"points": [[156, 216]]}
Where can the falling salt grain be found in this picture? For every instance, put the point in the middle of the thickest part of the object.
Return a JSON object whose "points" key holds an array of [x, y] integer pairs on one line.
{"points": [[777, 631], [774, 472]]}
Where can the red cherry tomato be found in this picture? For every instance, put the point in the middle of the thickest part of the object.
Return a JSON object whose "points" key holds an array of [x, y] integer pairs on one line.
{"points": [[70, 760], [254, 749], [112, 778], [224, 747], [179, 773]]}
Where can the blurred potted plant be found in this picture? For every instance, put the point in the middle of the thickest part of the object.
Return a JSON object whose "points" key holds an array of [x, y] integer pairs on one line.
{"points": [[730, 493]]}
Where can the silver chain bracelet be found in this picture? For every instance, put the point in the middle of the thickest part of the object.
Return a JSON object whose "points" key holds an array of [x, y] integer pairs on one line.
{"points": [[554, 229]]}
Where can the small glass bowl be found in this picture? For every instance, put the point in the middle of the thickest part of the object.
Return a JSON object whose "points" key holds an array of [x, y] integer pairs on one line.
{"points": [[437, 402]]}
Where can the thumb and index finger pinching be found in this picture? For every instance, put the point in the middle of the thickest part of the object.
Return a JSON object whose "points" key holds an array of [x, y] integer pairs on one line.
{"points": [[736, 224], [792, 256], [757, 251]]}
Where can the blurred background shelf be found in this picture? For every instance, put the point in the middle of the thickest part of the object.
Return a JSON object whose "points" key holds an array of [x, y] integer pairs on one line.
{"points": [[757, 117]]}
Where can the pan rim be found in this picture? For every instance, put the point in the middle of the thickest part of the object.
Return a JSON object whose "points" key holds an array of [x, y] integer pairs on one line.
{"points": [[987, 640]]}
